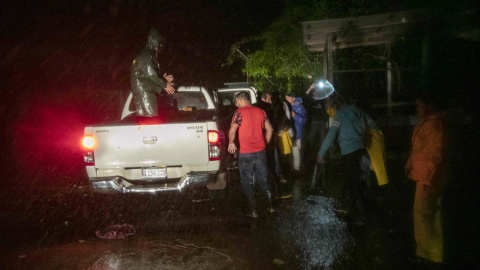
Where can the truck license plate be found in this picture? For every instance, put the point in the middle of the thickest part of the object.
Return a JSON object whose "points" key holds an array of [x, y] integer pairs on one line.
{"points": [[154, 173]]}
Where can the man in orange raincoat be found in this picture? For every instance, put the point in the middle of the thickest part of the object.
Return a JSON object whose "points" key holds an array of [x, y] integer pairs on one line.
{"points": [[425, 166]]}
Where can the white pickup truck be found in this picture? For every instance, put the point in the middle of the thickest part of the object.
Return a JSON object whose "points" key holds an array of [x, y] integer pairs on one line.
{"points": [[179, 150]]}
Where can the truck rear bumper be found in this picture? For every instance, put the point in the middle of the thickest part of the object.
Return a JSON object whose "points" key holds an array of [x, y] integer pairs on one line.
{"points": [[118, 184]]}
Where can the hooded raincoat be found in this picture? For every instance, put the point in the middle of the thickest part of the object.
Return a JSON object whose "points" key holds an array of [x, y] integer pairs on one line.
{"points": [[144, 79], [425, 167], [300, 117]]}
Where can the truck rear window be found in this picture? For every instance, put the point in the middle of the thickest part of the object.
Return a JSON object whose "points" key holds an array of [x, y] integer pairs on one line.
{"points": [[178, 107], [190, 99], [182, 101]]}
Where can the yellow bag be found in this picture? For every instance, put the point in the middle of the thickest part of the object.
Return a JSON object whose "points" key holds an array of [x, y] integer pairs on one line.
{"points": [[376, 151], [285, 143]]}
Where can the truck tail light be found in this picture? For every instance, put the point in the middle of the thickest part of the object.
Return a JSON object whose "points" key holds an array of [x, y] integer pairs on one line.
{"points": [[213, 137], [213, 145], [88, 142]]}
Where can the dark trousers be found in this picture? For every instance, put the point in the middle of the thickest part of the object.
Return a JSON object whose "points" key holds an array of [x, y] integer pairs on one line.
{"points": [[286, 162], [316, 134], [270, 153], [253, 168], [354, 182]]}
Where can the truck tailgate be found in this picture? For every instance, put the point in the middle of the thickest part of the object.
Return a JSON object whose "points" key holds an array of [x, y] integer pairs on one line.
{"points": [[151, 145]]}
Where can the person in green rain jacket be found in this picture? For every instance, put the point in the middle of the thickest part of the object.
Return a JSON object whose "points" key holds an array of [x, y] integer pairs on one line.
{"points": [[144, 79]]}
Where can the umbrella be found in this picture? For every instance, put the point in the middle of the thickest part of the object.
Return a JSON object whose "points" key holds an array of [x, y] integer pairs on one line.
{"points": [[322, 90]]}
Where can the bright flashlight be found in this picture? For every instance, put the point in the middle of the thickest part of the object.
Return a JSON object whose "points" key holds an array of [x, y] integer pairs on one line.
{"points": [[321, 85]]}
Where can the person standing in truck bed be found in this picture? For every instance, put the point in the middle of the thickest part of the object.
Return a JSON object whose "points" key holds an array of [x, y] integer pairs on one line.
{"points": [[144, 80], [251, 122]]}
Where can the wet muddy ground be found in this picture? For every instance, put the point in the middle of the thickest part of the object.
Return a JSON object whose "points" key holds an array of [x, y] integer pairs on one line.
{"points": [[55, 228]]}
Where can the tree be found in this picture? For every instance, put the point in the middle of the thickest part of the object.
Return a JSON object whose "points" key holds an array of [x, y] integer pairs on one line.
{"points": [[282, 58]]}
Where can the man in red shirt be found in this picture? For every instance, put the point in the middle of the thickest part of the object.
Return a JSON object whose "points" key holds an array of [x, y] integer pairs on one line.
{"points": [[251, 122]]}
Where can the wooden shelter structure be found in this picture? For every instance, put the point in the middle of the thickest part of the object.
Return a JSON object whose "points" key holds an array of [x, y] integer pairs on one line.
{"points": [[382, 29]]}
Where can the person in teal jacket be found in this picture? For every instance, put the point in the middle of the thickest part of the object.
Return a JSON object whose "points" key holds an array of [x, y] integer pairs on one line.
{"points": [[144, 80], [349, 124]]}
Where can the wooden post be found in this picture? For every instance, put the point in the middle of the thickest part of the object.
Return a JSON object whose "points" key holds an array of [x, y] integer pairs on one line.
{"points": [[389, 78], [330, 57], [325, 61]]}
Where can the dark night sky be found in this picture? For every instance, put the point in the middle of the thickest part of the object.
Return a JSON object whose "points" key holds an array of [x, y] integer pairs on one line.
{"points": [[192, 27]]}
